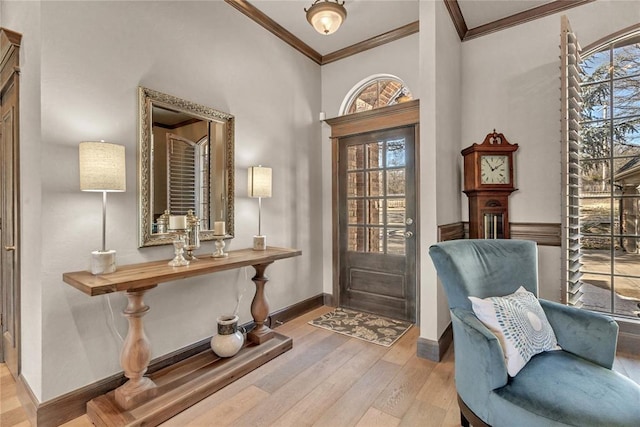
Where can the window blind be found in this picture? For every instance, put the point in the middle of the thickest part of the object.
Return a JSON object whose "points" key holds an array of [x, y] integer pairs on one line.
{"points": [[571, 100], [181, 175]]}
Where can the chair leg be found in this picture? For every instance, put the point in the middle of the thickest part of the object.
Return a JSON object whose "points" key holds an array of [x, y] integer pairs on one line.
{"points": [[463, 421]]}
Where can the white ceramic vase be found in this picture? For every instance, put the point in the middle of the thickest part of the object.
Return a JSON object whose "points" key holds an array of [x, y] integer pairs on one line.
{"points": [[229, 340]]}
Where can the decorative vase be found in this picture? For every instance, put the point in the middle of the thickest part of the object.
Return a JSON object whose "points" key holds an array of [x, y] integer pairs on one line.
{"points": [[229, 340]]}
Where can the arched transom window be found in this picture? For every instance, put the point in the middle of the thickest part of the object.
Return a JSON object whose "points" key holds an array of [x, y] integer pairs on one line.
{"points": [[375, 92]]}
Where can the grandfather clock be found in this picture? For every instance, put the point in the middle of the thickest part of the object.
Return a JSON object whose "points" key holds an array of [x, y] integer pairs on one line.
{"points": [[488, 182]]}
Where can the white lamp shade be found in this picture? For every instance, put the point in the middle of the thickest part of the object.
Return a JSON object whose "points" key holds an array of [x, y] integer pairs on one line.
{"points": [[259, 181], [326, 16], [102, 167]]}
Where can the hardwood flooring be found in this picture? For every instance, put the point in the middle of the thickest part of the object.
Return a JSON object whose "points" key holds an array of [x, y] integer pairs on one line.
{"points": [[326, 380]]}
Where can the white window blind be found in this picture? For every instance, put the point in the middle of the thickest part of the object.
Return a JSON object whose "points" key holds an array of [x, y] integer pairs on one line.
{"points": [[181, 175], [571, 107]]}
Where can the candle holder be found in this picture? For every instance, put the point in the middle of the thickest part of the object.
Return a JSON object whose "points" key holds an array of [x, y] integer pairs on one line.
{"points": [[193, 235], [220, 244], [179, 241], [162, 223]]}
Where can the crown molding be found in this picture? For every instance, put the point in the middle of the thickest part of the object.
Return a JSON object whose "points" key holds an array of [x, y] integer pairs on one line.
{"points": [[278, 30], [510, 21], [456, 16], [269, 24], [453, 7], [375, 41]]}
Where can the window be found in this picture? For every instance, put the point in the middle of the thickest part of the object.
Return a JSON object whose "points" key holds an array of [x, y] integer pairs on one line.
{"points": [[375, 92], [608, 185]]}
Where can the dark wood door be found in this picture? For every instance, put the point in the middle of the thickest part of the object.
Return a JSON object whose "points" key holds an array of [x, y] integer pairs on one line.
{"points": [[9, 271], [377, 228]]}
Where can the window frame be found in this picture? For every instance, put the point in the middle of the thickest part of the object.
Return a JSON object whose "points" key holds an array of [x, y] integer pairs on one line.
{"points": [[357, 89]]}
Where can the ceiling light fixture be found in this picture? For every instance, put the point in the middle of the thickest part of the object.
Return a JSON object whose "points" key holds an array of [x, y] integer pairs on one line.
{"points": [[326, 16]]}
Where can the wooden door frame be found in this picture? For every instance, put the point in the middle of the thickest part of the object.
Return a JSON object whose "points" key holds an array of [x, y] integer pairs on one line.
{"points": [[403, 114], [9, 76]]}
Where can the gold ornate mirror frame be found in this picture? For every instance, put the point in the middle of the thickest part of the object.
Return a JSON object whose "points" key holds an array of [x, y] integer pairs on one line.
{"points": [[221, 206]]}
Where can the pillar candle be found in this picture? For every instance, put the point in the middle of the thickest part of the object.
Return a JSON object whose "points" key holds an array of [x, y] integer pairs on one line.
{"points": [[177, 222], [219, 228]]}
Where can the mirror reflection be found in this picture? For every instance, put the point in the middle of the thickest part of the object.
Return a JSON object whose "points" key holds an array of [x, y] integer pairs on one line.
{"points": [[186, 153]]}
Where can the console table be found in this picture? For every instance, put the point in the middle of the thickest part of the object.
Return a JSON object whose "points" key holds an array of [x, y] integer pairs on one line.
{"points": [[150, 400]]}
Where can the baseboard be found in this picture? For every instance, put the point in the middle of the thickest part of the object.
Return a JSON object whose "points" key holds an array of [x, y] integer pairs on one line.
{"points": [[282, 316], [434, 350], [328, 300], [74, 404], [27, 399]]}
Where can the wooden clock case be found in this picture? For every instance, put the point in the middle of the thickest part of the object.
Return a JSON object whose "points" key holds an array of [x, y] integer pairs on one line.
{"points": [[488, 202]]}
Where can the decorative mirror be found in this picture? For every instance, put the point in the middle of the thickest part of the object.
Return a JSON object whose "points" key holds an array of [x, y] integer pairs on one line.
{"points": [[185, 163]]}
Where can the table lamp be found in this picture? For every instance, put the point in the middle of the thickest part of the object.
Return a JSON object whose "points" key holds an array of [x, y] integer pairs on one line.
{"points": [[259, 181], [102, 169]]}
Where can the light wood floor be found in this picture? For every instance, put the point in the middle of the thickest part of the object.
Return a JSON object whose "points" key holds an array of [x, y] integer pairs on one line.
{"points": [[326, 380]]}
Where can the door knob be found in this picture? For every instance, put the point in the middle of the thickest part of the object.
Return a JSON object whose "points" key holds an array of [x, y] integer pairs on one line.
{"points": [[408, 234], [9, 248]]}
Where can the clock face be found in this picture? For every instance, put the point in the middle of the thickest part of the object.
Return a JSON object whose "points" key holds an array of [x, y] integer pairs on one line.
{"points": [[494, 169]]}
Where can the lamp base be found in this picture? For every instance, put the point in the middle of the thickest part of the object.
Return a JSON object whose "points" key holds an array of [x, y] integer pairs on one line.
{"points": [[103, 262], [259, 243]]}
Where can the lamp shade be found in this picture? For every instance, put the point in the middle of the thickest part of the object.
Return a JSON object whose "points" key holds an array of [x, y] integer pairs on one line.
{"points": [[259, 181], [326, 16], [102, 167]]}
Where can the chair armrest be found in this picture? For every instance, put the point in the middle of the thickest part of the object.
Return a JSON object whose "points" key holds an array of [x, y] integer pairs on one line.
{"points": [[590, 335], [480, 365]]}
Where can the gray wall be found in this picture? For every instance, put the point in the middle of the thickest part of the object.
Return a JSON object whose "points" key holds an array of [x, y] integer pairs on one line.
{"points": [[94, 56]]}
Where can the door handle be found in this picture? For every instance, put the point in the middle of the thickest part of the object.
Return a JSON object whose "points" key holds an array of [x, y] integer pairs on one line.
{"points": [[9, 248], [408, 234]]}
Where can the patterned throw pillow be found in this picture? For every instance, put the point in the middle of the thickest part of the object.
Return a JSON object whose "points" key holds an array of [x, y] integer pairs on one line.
{"points": [[520, 325]]}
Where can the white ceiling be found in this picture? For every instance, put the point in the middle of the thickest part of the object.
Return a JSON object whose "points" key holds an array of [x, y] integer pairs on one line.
{"points": [[369, 18], [480, 12]]}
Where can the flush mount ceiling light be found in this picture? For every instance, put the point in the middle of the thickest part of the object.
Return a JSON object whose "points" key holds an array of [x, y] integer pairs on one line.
{"points": [[326, 16]]}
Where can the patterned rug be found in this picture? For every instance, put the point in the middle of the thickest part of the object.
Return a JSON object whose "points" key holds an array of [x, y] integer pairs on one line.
{"points": [[364, 326]]}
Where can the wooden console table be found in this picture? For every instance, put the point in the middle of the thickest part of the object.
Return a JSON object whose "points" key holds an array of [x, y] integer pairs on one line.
{"points": [[150, 400]]}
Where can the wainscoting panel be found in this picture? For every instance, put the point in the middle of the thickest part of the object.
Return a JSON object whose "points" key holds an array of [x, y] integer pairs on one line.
{"points": [[543, 233]]}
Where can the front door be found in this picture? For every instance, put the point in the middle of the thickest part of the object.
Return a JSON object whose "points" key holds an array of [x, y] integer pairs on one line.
{"points": [[377, 206], [9, 285]]}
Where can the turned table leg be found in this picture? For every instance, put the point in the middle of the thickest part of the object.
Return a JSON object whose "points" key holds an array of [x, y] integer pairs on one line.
{"points": [[135, 355], [260, 307]]}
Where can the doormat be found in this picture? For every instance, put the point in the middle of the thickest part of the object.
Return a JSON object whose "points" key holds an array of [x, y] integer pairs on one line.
{"points": [[364, 326]]}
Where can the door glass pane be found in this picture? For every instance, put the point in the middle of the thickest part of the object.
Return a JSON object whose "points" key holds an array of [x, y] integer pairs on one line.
{"points": [[396, 153], [374, 155], [396, 212], [356, 212], [374, 181], [376, 239], [396, 241], [355, 157], [375, 212], [355, 239], [355, 184], [395, 182]]}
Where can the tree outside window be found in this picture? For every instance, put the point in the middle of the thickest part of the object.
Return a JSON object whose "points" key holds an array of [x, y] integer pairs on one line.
{"points": [[610, 177]]}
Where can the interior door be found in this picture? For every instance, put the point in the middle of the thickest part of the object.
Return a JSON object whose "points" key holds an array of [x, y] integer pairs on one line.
{"points": [[377, 206], [9, 271]]}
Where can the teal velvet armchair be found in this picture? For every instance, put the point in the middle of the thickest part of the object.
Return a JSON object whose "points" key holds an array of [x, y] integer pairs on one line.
{"points": [[574, 386]]}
